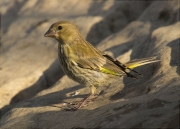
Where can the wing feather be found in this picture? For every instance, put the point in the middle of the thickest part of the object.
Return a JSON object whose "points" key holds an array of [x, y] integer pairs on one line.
{"points": [[91, 58]]}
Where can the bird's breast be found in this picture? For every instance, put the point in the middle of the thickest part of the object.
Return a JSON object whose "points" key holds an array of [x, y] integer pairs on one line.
{"points": [[68, 65], [63, 55]]}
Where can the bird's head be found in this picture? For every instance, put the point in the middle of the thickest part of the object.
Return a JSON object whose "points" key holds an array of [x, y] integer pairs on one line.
{"points": [[63, 31]]}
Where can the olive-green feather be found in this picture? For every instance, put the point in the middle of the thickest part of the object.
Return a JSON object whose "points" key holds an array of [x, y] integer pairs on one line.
{"points": [[93, 59]]}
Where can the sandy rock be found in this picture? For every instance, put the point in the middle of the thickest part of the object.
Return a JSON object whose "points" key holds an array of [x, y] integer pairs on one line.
{"points": [[34, 89]]}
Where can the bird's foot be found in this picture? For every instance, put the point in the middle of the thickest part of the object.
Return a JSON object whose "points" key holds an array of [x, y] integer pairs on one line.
{"points": [[78, 104], [71, 109], [74, 103], [74, 106]]}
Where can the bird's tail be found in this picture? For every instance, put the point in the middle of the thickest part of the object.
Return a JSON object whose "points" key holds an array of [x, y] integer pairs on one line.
{"points": [[139, 62], [129, 66]]}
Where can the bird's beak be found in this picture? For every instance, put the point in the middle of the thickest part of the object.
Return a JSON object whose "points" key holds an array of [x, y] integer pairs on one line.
{"points": [[50, 33]]}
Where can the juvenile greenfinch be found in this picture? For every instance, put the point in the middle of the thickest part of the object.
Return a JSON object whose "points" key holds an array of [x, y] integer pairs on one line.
{"points": [[84, 63]]}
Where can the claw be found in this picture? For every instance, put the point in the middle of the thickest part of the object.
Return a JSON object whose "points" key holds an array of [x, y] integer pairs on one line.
{"points": [[79, 103], [74, 106], [71, 109]]}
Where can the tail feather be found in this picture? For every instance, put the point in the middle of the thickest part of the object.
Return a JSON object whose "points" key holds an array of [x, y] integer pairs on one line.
{"points": [[139, 62], [129, 66]]}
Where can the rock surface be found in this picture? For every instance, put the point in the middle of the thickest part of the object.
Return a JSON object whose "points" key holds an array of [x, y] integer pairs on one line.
{"points": [[33, 87]]}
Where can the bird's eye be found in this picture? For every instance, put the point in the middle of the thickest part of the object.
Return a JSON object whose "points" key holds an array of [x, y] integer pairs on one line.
{"points": [[59, 27]]}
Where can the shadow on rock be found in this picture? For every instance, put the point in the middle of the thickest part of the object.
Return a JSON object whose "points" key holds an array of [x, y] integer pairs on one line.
{"points": [[49, 78], [45, 100], [12, 14], [52, 98], [175, 55], [114, 21]]}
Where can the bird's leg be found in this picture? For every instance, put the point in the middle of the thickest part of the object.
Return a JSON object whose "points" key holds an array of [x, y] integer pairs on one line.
{"points": [[83, 101], [93, 89]]}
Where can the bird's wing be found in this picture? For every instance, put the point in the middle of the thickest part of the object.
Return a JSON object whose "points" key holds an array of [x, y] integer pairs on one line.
{"points": [[91, 58], [101, 65]]}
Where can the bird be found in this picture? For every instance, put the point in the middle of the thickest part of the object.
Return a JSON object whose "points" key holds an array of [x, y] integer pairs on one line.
{"points": [[85, 64]]}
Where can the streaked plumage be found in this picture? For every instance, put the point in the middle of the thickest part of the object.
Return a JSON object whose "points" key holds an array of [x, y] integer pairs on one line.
{"points": [[84, 63]]}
